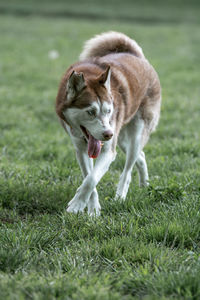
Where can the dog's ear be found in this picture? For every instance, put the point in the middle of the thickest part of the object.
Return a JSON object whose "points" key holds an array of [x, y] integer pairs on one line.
{"points": [[75, 84], [104, 78]]}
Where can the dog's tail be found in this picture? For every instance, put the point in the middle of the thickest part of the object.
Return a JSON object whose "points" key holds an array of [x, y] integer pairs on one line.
{"points": [[110, 42]]}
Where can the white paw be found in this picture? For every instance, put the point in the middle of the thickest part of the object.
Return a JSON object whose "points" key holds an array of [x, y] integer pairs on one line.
{"points": [[144, 183], [120, 196], [94, 208], [76, 205]]}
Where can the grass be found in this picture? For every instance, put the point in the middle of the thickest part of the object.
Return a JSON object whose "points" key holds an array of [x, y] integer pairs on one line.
{"points": [[145, 248]]}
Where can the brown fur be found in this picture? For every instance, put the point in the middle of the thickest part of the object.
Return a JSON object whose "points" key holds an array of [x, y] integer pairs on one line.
{"points": [[134, 84]]}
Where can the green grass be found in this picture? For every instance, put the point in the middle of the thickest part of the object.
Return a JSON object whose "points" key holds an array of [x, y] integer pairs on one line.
{"points": [[145, 248]]}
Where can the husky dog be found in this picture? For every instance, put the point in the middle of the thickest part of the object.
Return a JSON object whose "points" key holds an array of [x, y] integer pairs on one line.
{"points": [[112, 95]]}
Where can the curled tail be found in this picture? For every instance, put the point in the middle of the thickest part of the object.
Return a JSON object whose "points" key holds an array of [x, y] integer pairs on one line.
{"points": [[110, 42]]}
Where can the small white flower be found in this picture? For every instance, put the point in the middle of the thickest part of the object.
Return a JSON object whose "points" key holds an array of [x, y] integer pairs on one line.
{"points": [[53, 54]]}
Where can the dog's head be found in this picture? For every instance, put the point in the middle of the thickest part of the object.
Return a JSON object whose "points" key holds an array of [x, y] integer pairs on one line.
{"points": [[88, 105]]}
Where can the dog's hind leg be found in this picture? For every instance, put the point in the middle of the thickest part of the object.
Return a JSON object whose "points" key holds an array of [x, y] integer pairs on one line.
{"points": [[142, 169], [132, 144]]}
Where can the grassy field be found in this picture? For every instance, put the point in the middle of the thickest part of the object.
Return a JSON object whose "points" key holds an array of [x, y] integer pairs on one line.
{"points": [[145, 248]]}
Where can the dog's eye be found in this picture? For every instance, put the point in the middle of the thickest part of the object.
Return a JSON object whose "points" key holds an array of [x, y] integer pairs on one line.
{"points": [[91, 113], [108, 111]]}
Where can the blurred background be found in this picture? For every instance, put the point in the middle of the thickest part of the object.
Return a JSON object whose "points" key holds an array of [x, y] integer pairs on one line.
{"points": [[151, 11], [40, 39]]}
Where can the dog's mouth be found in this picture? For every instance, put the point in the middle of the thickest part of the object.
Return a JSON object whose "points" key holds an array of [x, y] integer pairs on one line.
{"points": [[94, 145]]}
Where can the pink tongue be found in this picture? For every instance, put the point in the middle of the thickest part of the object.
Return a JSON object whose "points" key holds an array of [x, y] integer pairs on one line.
{"points": [[94, 147]]}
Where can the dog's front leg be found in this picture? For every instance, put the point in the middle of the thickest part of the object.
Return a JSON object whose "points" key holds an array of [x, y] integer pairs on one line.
{"points": [[84, 192], [86, 166]]}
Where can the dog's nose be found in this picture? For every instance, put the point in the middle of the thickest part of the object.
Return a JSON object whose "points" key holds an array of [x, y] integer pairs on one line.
{"points": [[107, 135]]}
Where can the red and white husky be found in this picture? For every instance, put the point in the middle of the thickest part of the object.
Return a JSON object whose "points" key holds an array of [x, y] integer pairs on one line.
{"points": [[112, 95]]}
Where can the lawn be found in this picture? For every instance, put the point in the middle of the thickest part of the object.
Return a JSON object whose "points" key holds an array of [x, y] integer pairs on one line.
{"points": [[145, 248]]}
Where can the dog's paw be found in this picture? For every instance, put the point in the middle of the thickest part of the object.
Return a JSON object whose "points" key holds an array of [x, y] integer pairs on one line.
{"points": [[119, 197], [94, 208], [76, 205]]}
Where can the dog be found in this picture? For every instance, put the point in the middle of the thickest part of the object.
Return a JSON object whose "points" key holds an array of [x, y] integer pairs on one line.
{"points": [[111, 96]]}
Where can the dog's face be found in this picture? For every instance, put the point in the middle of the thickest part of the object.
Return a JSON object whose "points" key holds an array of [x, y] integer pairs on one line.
{"points": [[94, 119], [91, 106]]}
